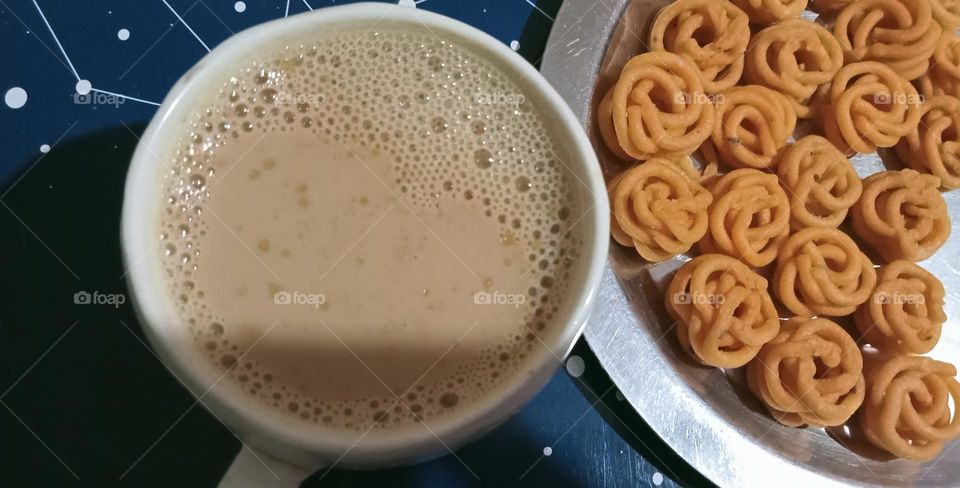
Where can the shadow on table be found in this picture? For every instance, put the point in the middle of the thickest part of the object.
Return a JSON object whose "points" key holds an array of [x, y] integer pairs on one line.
{"points": [[84, 401]]}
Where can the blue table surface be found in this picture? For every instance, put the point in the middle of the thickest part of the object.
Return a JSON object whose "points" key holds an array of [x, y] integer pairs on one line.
{"points": [[85, 401]]}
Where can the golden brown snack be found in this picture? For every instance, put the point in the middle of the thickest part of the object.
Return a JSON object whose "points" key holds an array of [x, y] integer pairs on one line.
{"points": [[657, 209], [712, 34], [656, 108], [905, 310], [946, 13], [868, 106], [749, 217], [794, 57], [765, 12], [934, 145], [907, 407], [810, 374], [605, 125], [944, 75], [827, 6], [901, 215], [723, 311], [899, 33], [820, 182], [753, 123], [821, 271]]}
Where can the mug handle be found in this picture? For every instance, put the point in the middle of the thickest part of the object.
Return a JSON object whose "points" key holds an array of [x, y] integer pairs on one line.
{"points": [[254, 468]]}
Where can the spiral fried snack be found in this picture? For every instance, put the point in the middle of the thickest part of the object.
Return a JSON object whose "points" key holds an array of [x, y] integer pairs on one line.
{"points": [[658, 209], [794, 57], [899, 33], [712, 35], [753, 123], [723, 311], [657, 108], [820, 182], [907, 406], [934, 145], [765, 12], [946, 13], [810, 374], [749, 217], [869, 106], [944, 75], [905, 311], [821, 271], [902, 215]]}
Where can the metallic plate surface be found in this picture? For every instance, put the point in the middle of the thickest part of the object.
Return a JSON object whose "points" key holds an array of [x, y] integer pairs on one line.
{"points": [[706, 415]]}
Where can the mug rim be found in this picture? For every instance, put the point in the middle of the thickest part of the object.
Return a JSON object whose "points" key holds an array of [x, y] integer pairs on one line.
{"points": [[154, 304]]}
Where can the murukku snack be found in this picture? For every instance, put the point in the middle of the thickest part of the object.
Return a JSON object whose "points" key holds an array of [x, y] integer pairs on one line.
{"points": [[658, 209], [753, 123], [899, 33], [944, 75], [656, 108], [868, 106], [907, 406], [905, 312], [749, 217], [821, 271], [765, 12], [902, 215], [934, 145], [946, 13], [712, 34], [723, 311], [810, 374], [820, 182], [794, 57]]}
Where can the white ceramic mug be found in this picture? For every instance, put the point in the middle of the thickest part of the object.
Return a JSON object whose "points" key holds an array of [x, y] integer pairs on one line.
{"points": [[280, 452]]}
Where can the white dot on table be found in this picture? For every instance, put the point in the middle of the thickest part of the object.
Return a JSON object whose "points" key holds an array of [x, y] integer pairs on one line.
{"points": [[657, 479], [547, 451], [45, 148], [575, 366], [123, 34], [16, 97], [84, 87], [514, 45], [240, 7]]}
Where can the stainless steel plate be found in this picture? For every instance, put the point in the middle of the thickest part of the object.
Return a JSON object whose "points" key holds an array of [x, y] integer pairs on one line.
{"points": [[708, 416]]}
